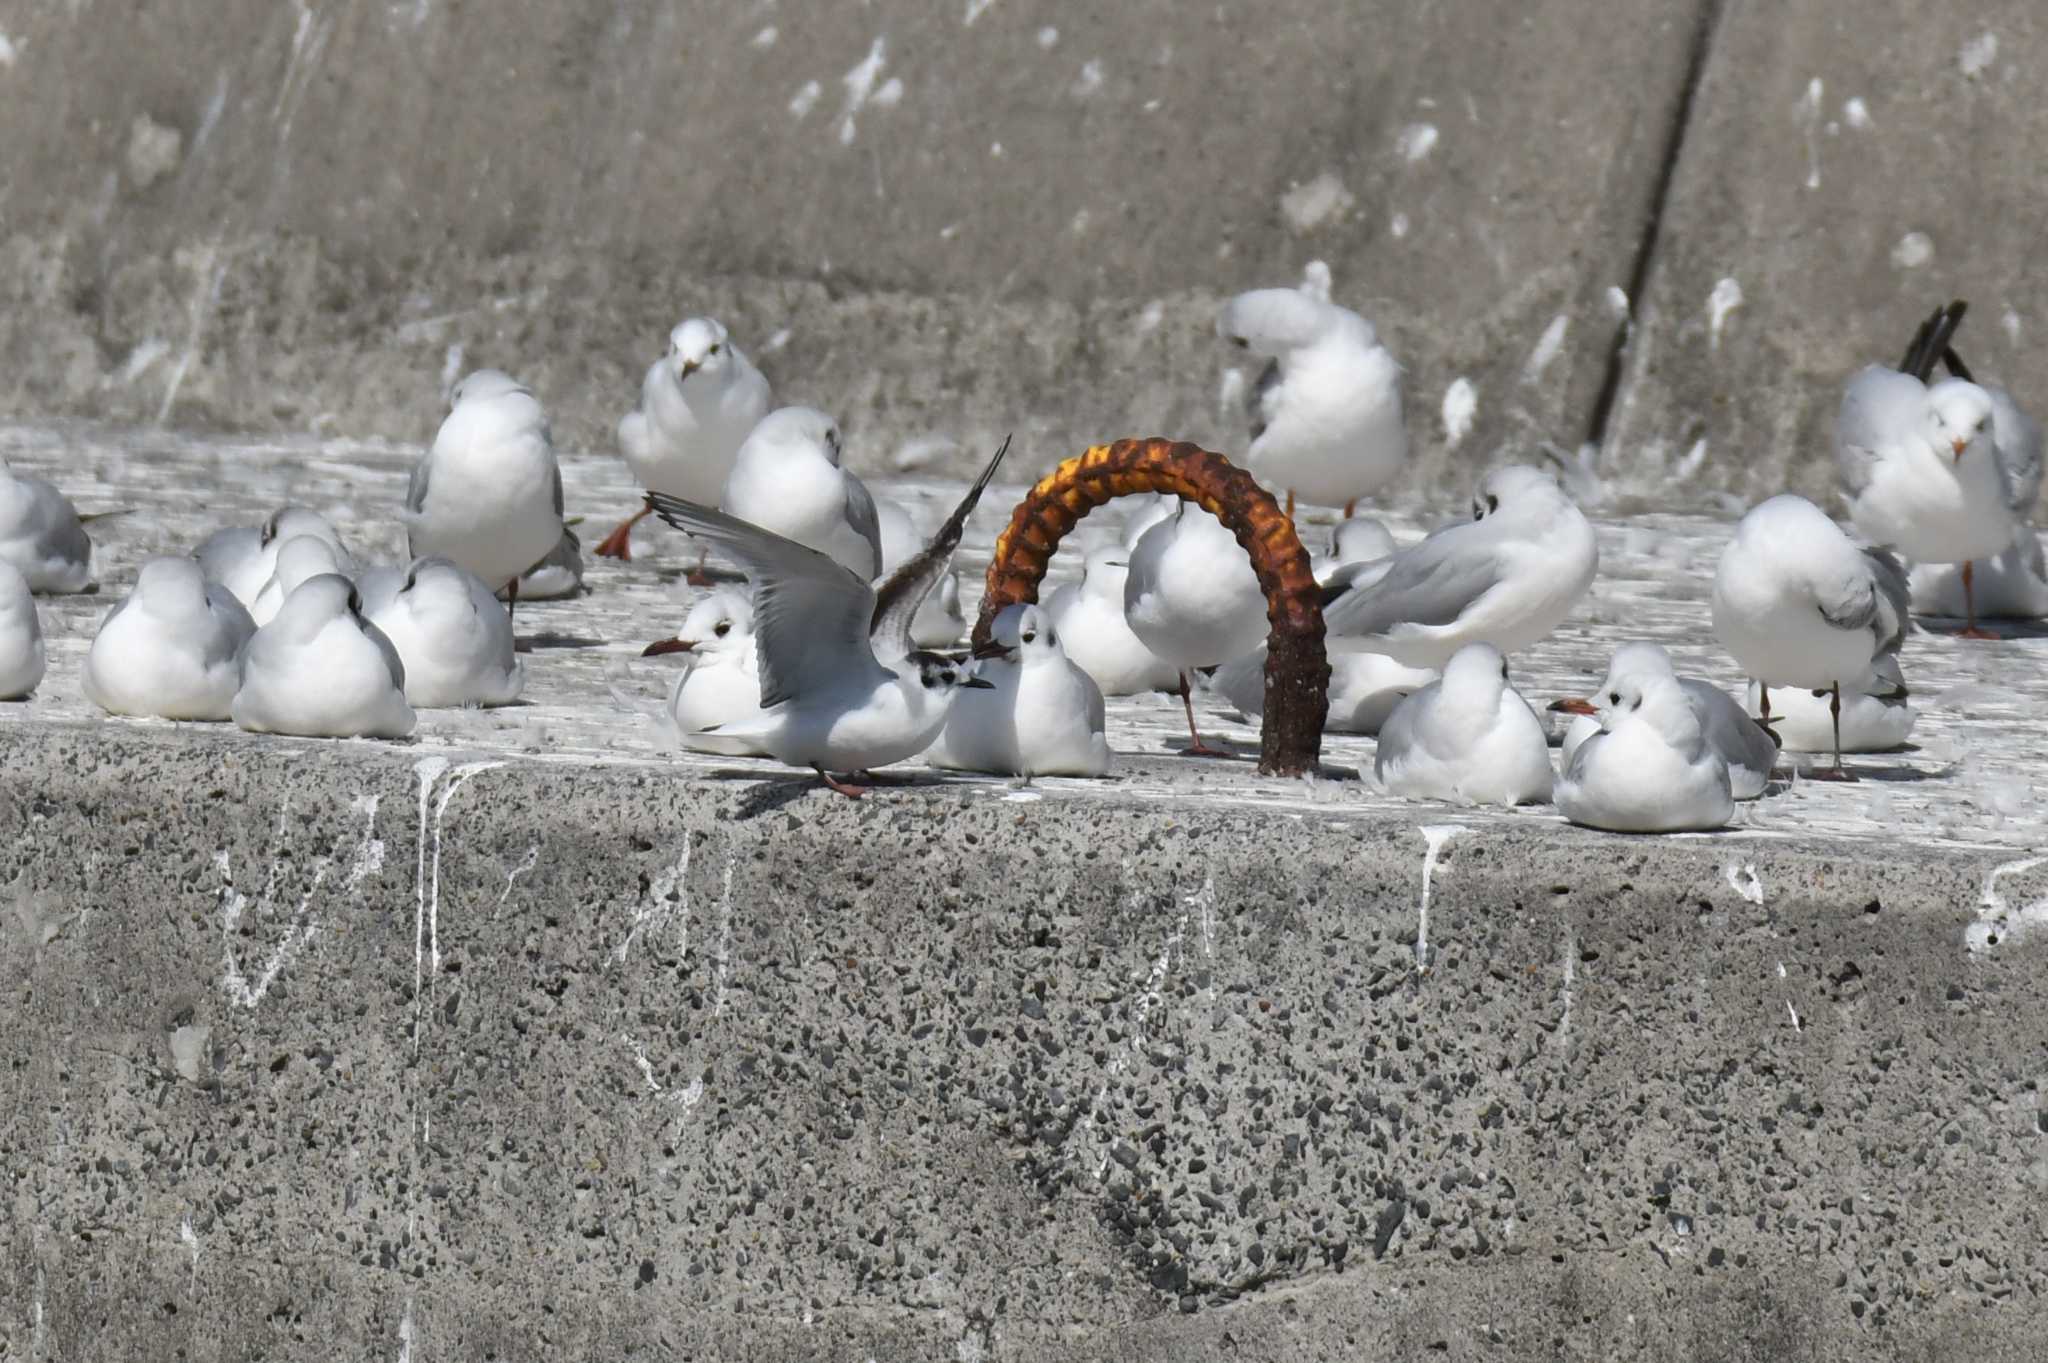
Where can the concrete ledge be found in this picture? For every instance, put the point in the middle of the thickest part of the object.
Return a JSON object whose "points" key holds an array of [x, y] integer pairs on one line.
{"points": [[518, 1059]]}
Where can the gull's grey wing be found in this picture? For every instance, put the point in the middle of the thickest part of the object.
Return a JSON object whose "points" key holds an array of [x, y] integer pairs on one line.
{"points": [[1878, 407], [416, 486], [811, 615], [1877, 602], [897, 602], [2019, 451], [225, 549], [1729, 729], [865, 520], [558, 493], [1430, 583], [225, 644], [1255, 400]]}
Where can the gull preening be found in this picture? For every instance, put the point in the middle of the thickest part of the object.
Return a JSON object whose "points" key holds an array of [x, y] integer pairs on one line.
{"points": [[1507, 577], [454, 638], [841, 688], [41, 535], [1877, 713], [1650, 768], [319, 670], [1192, 598], [1468, 737], [1039, 715], [720, 683], [488, 493], [22, 657], [787, 480], [1798, 604], [171, 649], [1743, 746], [1326, 412], [698, 404]]}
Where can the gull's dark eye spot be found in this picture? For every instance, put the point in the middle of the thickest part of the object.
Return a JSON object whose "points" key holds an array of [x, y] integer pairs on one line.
{"points": [[1241, 343], [722, 628], [1503, 671], [713, 350], [1636, 704], [1614, 697], [1028, 636]]}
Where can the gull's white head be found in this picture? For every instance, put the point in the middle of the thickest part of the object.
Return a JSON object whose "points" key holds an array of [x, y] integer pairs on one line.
{"points": [[434, 582], [1658, 701], [302, 557], [289, 522], [482, 384], [170, 582], [699, 345], [1958, 412], [317, 600], [1271, 322], [803, 428], [1637, 660], [720, 623], [1475, 673], [1104, 572], [1019, 632], [1517, 490], [942, 676], [1360, 540]]}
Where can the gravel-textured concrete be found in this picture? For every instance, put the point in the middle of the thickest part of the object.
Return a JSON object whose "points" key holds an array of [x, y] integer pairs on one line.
{"points": [[525, 1039]]}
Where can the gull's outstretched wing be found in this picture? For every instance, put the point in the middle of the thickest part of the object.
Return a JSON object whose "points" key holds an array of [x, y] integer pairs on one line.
{"points": [[1430, 583], [810, 614], [896, 605]]}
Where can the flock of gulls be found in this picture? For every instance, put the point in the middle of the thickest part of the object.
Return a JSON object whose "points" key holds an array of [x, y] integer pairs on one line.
{"points": [[836, 655]]}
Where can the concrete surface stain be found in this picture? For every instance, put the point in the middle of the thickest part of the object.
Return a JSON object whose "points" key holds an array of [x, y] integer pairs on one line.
{"points": [[426, 941], [1809, 115], [860, 85], [1435, 835], [1726, 298], [367, 860], [1742, 878], [1547, 347], [1461, 404], [1998, 920], [525, 867], [668, 894]]}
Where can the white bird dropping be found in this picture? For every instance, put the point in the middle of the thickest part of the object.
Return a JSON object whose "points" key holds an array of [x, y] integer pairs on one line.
{"points": [[41, 535], [1041, 716], [319, 670], [721, 681], [1192, 598], [1326, 420], [698, 404], [488, 493], [172, 649], [1650, 769], [1468, 738], [1796, 603], [453, 636], [787, 480], [1089, 619], [21, 636]]}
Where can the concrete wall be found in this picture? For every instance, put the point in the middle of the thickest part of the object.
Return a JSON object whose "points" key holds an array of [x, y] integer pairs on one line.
{"points": [[963, 218], [362, 1053]]}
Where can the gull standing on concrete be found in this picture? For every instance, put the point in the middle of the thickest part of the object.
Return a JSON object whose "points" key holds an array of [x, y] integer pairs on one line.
{"points": [[1744, 746], [21, 636], [1089, 618], [1650, 767], [488, 493], [243, 558], [1919, 463], [1877, 712], [698, 404], [787, 480], [721, 683], [453, 638], [1043, 716], [1326, 413], [1192, 598], [1798, 604], [1507, 577], [841, 689], [42, 536], [319, 670], [558, 576], [172, 649], [1468, 738], [939, 620], [1364, 687]]}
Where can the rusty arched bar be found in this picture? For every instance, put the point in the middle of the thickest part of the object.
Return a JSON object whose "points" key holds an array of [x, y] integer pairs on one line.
{"points": [[1297, 669]]}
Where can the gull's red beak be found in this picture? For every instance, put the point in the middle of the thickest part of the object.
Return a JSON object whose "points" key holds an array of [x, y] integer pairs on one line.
{"points": [[1573, 706], [661, 646], [1960, 445]]}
